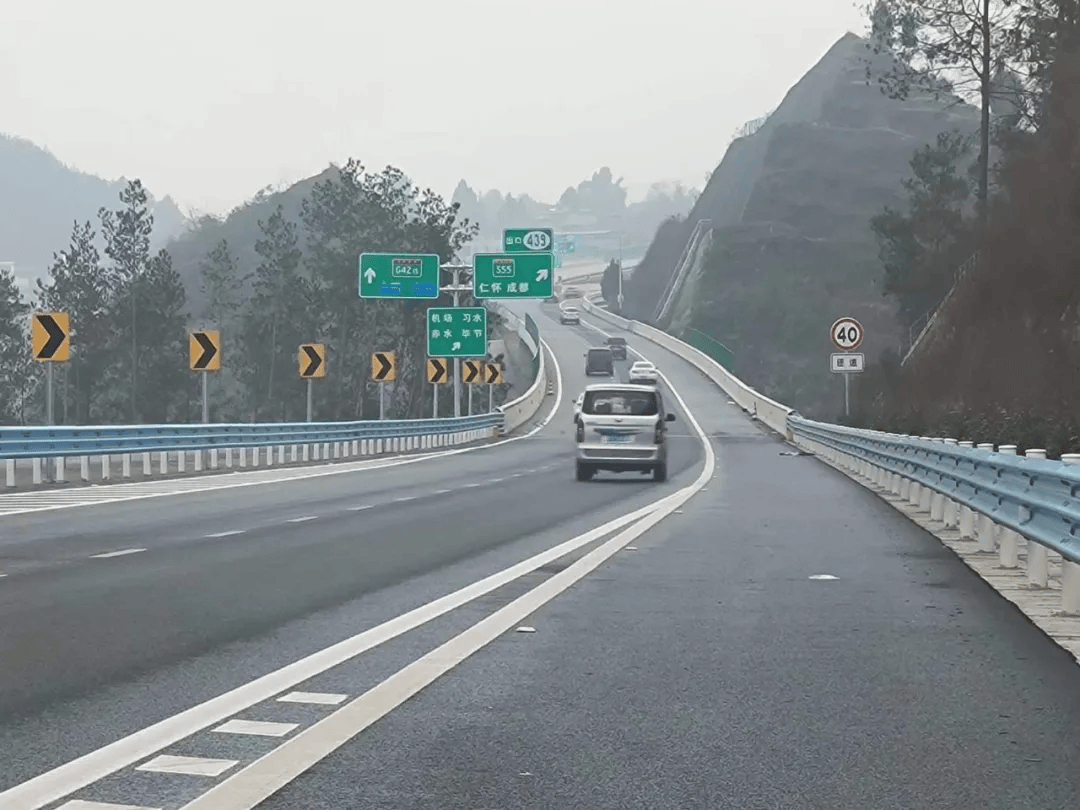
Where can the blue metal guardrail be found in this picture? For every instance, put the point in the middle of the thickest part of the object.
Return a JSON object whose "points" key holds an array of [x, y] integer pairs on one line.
{"points": [[1039, 498], [58, 442]]}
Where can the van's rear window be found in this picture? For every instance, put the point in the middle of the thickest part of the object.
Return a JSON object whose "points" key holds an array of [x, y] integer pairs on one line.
{"points": [[620, 403]]}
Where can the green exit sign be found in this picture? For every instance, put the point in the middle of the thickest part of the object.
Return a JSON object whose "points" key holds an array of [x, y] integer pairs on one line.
{"points": [[513, 275], [528, 240], [456, 332]]}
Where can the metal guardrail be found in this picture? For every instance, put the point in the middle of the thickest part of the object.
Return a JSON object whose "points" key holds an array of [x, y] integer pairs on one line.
{"points": [[997, 498], [201, 443]]}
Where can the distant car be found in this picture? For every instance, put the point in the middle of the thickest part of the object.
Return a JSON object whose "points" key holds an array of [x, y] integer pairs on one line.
{"points": [[617, 346], [599, 361], [644, 372], [572, 292], [570, 315], [622, 428]]}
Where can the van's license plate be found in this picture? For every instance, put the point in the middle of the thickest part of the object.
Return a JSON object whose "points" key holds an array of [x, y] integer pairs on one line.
{"points": [[617, 439]]}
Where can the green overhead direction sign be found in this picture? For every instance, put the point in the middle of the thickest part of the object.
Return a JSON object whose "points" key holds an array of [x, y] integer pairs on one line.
{"points": [[528, 240], [399, 275], [456, 332], [513, 275]]}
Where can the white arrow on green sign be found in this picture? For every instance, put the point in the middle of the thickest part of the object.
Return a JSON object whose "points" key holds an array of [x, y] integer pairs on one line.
{"points": [[513, 275], [399, 275], [456, 332]]}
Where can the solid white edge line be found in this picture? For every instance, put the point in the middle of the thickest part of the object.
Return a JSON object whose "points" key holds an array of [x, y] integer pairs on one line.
{"points": [[311, 472], [254, 783], [89, 768]]}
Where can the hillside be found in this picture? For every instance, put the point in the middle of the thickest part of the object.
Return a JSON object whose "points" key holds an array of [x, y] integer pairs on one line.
{"points": [[790, 206], [43, 197]]}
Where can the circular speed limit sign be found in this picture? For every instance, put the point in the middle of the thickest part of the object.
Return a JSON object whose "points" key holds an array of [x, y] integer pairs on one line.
{"points": [[847, 334]]}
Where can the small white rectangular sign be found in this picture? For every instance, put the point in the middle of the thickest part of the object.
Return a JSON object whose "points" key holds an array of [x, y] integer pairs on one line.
{"points": [[846, 362]]}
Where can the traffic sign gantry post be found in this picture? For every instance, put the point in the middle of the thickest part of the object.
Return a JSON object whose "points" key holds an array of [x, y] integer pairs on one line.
{"points": [[847, 335], [437, 372], [399, 275], [383, 370], [472, 373], [513, 275], [204, 354], [311, 359], [50, 342], [528, 240]]}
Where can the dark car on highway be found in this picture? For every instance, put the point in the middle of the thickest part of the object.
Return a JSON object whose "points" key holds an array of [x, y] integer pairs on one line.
{"points": [[617, 346]]}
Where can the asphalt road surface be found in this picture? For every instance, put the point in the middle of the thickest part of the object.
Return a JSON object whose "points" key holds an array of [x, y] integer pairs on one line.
{"points": [[702, 665]]}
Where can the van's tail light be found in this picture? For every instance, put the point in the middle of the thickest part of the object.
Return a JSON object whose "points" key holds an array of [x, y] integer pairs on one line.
{"points": [[580, 431], [658, 436]]}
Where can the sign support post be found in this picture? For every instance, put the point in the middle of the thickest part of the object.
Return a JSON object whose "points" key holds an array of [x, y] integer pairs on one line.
{"points": [[434, 400], [382, 401], [310, 400], [847, 393], [205, 399], [457, 360], [49, 394], [491, 399]]}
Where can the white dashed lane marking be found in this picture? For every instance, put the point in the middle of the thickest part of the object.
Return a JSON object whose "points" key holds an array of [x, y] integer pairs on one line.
{"points": [[304, 519], [78, 804], [229, 533], [256, 728], [189, 766], [359, 508], [317, 698], [121, 553]]}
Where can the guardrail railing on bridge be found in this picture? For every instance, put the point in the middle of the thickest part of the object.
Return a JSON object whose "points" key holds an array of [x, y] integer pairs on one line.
{"points": [[176, 448], [1007, 504]]}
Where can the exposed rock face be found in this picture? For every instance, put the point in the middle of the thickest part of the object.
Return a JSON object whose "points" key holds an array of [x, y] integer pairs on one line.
{"points": [[792, 248]]}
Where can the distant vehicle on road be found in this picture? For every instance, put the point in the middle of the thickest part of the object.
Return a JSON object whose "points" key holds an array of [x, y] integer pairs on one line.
{"points": [[644, 372], [599, 361], [572, 292], [617, 346], [570, 315], [620, 428]]}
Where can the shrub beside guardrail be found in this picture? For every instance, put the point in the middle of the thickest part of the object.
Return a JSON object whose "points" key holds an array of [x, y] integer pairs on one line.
{"points": [[999, 500]]}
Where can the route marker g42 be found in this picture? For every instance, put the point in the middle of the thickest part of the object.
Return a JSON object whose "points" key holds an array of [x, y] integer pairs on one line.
{"points": [[528, 240], [399, 275], [846, 334], [513, 275], [456, 331]]}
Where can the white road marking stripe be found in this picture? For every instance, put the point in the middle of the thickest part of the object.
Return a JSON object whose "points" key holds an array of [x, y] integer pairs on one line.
{"points": [[301, 519], [821, 576], [441, 491], [264, 777], [251, 785], [79, 804], [190, 766], [227, 534], [319, 698], [21, 503], [359, 508], [121, 553], [407, 498], [256, 728], [87, 769]]}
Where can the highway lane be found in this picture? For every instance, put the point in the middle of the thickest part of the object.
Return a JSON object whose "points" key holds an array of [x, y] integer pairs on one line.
{"points": [[713, 667], [222, 587]]}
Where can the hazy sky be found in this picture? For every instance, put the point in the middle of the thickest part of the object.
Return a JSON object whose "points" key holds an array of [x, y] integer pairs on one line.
{"points": [[210, 101]]}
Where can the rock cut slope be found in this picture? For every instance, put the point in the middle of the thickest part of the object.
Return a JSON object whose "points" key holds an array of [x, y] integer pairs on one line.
{"points": [[792, 249]]}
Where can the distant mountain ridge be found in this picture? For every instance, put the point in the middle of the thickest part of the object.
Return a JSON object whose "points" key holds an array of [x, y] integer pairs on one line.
{"points": [[42, 198]]}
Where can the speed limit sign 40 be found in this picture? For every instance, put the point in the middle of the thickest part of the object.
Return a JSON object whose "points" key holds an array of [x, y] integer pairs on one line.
{"points": [[847, 334]]}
